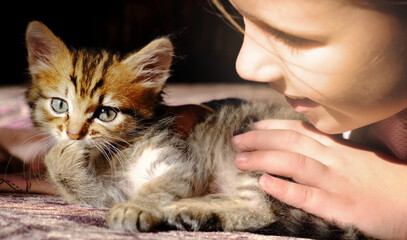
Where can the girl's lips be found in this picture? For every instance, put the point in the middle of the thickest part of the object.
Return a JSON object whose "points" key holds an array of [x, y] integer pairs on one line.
{"points": [[302, 105]]}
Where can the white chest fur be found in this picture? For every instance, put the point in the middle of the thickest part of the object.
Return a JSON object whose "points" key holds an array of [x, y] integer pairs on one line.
{"points": [[145, 168]]}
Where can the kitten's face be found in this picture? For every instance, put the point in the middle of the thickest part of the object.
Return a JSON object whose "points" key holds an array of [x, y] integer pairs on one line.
{"points": [[93, 96]]}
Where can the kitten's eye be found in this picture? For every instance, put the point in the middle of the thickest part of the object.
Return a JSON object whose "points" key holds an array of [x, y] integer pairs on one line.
{"points": [[107, 114], [59, 105]]}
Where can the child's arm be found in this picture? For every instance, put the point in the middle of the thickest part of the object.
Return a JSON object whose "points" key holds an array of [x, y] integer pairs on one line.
{"points": [[334, 179]]}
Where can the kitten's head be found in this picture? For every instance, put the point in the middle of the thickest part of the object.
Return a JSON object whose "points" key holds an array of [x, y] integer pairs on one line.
{"points": [[90, 95]]}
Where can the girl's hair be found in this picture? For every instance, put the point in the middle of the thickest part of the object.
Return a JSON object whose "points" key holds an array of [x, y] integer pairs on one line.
{"points": [[229, 17]]}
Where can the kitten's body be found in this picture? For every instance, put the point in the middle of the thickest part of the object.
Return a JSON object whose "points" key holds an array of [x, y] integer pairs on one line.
{"points": [[119, 149]]}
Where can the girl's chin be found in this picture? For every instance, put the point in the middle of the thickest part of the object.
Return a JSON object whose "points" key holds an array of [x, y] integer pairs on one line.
{"points": [[327, 126]]}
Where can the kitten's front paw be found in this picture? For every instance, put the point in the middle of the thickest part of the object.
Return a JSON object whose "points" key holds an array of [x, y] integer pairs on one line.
{"points": [[66, 154], [66, 165], [130, 217], [194, 219]]}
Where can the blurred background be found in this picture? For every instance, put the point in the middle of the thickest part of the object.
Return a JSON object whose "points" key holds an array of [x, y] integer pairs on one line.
{"points": [[205, 45]]}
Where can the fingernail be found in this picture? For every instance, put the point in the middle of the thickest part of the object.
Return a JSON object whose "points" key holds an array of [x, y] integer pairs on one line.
{"points": [[263, 124], [237, 139], [257, 125], [242, 157], [264, 181]]}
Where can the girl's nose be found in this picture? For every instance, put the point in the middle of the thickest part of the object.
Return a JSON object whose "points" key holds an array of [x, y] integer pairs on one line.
{"points": [[256, 63]]}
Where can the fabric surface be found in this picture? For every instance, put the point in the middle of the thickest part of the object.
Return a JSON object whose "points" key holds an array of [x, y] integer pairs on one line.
{"points": [[393, 132], [28, 216]]}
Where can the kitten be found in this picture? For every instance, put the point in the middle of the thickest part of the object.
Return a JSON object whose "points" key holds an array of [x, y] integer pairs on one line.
{"points": [[117, 147]]}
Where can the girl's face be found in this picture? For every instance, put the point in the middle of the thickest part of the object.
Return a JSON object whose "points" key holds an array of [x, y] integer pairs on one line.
{"points": [[341, 65]]}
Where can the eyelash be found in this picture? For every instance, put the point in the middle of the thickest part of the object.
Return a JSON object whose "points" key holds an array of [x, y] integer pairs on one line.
{"points": [[292, 42], [289, 40]]}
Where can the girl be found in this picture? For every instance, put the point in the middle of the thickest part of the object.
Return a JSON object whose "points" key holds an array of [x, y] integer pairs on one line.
{"points": [[343, 65]]}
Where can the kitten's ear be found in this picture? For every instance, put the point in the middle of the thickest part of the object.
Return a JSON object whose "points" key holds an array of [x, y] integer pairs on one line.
{"points": [[42, 45], [151, 65]]}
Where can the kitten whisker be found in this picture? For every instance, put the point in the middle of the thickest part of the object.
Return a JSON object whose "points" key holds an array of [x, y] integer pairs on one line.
{"points": [[119, 139], [109, 150], [117, 153], [45, 140], [100, 149], [100, 145], [47, 143]]}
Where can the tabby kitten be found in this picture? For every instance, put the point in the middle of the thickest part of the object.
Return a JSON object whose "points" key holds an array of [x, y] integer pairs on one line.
{"points": [[117, 147]]}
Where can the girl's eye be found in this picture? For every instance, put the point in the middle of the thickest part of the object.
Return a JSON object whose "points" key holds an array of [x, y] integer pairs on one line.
{"points": [[59, 105], [107, 114], [290, 40]]}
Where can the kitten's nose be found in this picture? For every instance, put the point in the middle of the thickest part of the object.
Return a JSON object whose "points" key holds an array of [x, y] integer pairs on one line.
{"points": [[73, 135]]}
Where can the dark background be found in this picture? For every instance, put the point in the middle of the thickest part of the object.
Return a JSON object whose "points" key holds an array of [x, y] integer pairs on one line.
{"points": [[205, 45]]}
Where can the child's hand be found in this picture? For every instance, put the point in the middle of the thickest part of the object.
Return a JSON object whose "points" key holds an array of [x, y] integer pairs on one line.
{"points": [[334, 180]]}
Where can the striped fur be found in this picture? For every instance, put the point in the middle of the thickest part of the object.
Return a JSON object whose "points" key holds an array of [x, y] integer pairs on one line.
{"points": [[149, 176]]}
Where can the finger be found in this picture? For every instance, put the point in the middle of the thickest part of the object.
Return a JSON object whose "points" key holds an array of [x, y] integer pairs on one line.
{"points": [[279, 140], [286, 164], [296, 125], [309, 199]]}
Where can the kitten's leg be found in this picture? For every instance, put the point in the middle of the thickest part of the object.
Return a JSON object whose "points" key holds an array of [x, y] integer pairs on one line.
{"points": [[69, 169], [136, 215], [220, 212], [144, 212], [217, 212]]}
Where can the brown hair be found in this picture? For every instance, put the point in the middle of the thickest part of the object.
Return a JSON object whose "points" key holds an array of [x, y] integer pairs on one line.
{"points": [[231, 19]]}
